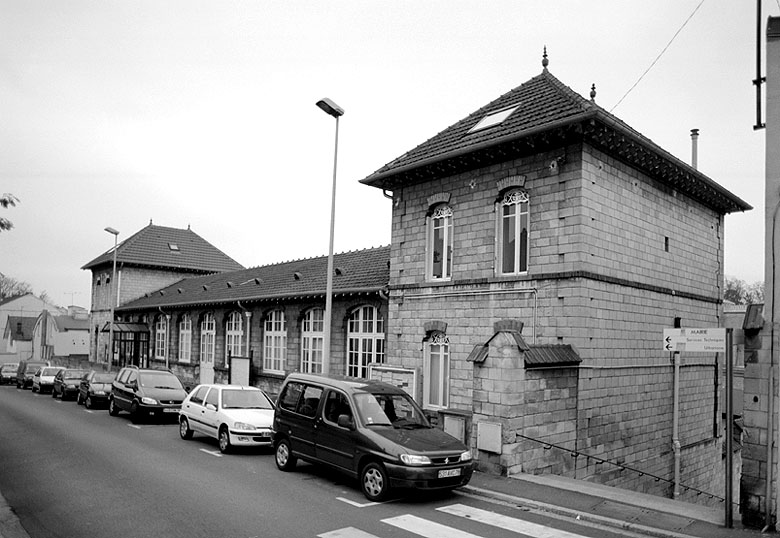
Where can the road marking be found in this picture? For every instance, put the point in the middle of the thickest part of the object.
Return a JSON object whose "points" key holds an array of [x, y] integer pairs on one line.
{"points": [[428, 529], [505, 522], [212, 452], [90, 411], [135, 426], [347, 532], [357, 504]]}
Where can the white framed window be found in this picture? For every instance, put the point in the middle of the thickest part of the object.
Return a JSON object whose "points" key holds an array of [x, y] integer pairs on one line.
{"points": [[436, 389], [234, 335], [160, 337], [313, 338], [439, 244], [513, 233], [185, 338], [208, 334], [365, 340], [275, 342]]}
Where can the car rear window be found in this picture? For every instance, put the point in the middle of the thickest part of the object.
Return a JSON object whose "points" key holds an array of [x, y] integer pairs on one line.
{"points": [[50, 371]]}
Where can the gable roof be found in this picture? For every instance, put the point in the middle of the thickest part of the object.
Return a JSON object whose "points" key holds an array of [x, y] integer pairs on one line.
{"points": [[549, 115], [71, 323], [13, 324], [356, 272], [172, 248]]}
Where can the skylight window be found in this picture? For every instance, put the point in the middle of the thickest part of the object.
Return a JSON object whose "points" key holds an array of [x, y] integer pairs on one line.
{"points": [[492, 119], [174, 247]]}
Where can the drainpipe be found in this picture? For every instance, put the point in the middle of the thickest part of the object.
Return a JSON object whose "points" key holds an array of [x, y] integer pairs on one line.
{"points": [[676, 424]]}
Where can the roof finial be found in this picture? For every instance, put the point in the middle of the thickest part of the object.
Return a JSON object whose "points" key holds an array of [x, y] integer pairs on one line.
{"points": [[545, 61], [593, 93], [150, 222]]}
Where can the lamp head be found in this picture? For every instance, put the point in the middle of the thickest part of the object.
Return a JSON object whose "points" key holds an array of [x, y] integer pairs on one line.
{"points": [[330, 107], [110, 230]]}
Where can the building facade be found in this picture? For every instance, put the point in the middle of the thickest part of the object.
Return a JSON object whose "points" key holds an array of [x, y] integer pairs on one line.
{"points": [[540, 246]]}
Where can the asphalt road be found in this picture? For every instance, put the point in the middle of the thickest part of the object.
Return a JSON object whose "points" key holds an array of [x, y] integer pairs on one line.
{"points": [[69, 472]]}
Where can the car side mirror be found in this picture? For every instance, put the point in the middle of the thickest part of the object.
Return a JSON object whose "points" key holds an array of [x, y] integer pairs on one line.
{"points": [[345, 421], [211, 407]]}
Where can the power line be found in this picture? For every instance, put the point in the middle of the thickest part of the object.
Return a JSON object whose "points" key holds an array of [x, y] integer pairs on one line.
{"points": [[659, 55]]}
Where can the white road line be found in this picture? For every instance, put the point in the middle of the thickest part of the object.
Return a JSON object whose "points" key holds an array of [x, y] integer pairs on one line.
{"points": [[428, 529], [347, 532], [134, 426], [357, 504], [212, 452], [505, 522]]}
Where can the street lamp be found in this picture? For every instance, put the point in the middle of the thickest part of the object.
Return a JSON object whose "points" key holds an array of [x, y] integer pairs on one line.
{"points": [[115, 233], [336, 111]]}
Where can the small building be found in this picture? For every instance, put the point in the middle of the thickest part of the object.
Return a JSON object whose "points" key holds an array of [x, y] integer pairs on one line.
{"points": [[17, 339], [61, 339], [152, 258], [539, 248], [273, 315], [25, 305]]}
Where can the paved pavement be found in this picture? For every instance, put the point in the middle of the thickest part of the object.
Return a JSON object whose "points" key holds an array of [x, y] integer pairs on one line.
{"points": [[611, 507]]}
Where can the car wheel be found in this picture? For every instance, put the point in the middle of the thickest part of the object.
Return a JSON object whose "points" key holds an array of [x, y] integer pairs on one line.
{"points": [[88, 402], [78, 398], [184, 428], [285, 460], [224, 440], [135, 413], [373, 482], [113, 410]]}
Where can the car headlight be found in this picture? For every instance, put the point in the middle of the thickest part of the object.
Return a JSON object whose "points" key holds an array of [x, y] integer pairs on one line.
{"points": [[466, 456], [413, 459], [243, 426], [148, 401]]}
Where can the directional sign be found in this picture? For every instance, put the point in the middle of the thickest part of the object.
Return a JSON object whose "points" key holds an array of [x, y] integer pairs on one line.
{"points": [[696, 340]]}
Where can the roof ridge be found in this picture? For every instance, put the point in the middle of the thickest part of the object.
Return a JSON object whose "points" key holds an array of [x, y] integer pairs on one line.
{"points": [[317, 257], [566, 91]]}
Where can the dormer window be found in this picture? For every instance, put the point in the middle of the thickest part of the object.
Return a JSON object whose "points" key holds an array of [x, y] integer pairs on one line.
{"points": [[492, 119]]}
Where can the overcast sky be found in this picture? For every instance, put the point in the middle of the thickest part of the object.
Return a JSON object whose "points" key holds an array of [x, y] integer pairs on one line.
{"points": [[202, 113]]}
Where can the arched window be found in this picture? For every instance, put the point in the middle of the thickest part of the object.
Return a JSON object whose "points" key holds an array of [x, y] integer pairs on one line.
{"points": [[208, 333], [160, 337], [365, 340], [234, 334], [436, 389], [312, 341], [513, 233], [275, 342], [185, 338], [439, 244]]}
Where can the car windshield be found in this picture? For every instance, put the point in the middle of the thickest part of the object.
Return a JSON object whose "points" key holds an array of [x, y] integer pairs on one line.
{"points": [[72, 375], [8, 368], [103, 378], [160, 380], [50, 371], [244, 399], [396, 410]]}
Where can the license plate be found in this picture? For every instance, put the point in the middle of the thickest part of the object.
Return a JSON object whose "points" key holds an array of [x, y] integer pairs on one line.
{"points": [[170, 410], [446, 473]]}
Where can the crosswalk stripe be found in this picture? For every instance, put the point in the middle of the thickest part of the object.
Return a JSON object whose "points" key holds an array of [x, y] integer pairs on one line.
{"points": [[428, 529], [347, 532], [505, 522]]}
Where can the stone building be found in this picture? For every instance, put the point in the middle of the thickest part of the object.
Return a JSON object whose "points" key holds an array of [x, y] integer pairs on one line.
{"points": [[150, 259], [271, 314], [539, 248]]}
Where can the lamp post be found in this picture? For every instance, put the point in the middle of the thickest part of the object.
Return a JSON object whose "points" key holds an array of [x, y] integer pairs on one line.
{"points": [[336, 111], [115, 233]]}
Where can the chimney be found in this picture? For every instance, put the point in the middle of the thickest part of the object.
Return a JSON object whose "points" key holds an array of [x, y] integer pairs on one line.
{"points": [[695, 148]]}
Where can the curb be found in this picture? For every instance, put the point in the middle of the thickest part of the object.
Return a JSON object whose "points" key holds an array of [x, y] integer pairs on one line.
{"points": [[10, 526], [575, 514]]}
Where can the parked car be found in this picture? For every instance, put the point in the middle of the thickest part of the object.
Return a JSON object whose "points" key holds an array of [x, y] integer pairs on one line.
{"points": [[235, 415], [369, 430], [43, 379], [94, 389], [8, 373], [25, 372], [146, 393], [66, 383]]}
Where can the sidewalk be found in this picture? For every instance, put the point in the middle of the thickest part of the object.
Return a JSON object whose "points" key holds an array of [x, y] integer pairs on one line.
{"points": [[609, 506]]}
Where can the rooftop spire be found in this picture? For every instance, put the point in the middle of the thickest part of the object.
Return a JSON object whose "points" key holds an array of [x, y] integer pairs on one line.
{"points": [[593, 93], [545, 61]]}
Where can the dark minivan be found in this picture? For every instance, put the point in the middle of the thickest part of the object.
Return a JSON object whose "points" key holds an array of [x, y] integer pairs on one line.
{"points": [[372, 431]]}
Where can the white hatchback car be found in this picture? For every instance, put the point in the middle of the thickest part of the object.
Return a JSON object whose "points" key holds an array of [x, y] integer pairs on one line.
{"points": [[235, 415]]}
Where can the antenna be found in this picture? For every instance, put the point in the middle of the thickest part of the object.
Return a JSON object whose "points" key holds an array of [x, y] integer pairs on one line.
{"points": [[759, 80]]}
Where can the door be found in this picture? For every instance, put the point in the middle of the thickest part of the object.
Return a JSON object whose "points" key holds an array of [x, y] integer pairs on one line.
{"points": [[336, 444], [211, 412]]}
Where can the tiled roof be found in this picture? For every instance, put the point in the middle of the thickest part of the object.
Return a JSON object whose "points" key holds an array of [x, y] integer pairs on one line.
{"points": [[549, 115], [540, 355], [360, 271], [164, 247], [12, 324], [70, 323]]}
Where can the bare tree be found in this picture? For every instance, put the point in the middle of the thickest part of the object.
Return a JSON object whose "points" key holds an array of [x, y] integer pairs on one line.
{"points": [[11, 287], [7, 200], [739, 292]]}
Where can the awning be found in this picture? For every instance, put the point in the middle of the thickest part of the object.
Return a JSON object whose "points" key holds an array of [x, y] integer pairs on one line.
{"points": [[126, 328]]}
